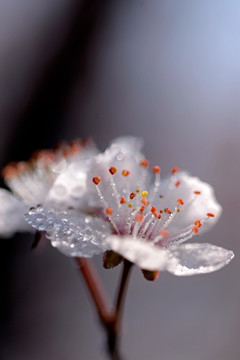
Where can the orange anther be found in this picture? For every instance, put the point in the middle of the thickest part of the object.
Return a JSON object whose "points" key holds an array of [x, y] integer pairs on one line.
{"points": [[46, 156], [132, 195], [168, 211], [161, 211], [156, 169], [125, 173], [177, 183], [109, 211], [210, 215], [122, 200], [139, 217], [197, 192], [195, 230], [180, 202], [198, 223], [22, 166], [142, 208], [175, 169], [144, 163], [158, 216], [153, 209], [96, 180], [9, 171], [144, 201], [112, 170], [164, 233]]}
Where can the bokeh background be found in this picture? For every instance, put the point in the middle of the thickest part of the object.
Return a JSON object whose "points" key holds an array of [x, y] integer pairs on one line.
{"points": [[167, 71]]}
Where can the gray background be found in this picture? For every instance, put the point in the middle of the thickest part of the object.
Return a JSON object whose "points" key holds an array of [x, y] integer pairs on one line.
{"points": [[168, 71]]}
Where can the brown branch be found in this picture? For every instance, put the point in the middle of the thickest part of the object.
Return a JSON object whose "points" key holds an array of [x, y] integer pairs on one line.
{"points": [[96, 289]]}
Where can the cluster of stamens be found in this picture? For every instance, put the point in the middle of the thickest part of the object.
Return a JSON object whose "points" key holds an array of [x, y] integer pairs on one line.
{"points": [[144, 219], [44, 158]]}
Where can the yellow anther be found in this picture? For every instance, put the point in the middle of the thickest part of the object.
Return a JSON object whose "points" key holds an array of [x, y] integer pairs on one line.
{"points": [[144, 193]]}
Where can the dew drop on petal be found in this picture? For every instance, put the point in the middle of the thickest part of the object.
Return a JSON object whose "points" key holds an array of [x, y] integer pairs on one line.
{"points": [[119, 157]]}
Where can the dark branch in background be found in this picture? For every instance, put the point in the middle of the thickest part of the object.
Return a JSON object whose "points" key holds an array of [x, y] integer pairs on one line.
{"points": [[45, 111]]}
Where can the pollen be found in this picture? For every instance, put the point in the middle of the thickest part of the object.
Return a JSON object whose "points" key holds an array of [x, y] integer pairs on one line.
{"points": [[112, 170], [198, 223], [122, 200], [137, 191], [164, 233], [144, 163], [180, 202], [175, 170], [144, 193], [132, 195], [195, 230], [197, 192], [129, 205], [161, 196], [9, 171], [139, 217], [168, 211], [178, 209], [109, 211], [125, 173], [177, 183], [96, 180], [156, 169], [210, 214]]}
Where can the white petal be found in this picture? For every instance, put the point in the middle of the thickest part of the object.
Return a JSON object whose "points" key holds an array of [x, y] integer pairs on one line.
{"points": [[191, 259], [71, 232], [72, 187], [182, 260], [130, 143], [195, 207], [123, 154], [139, 252], [11, 214]]}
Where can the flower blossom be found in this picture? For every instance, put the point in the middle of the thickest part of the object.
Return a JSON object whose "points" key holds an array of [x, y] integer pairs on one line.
{"points": [[130, 210], [33, 181]]}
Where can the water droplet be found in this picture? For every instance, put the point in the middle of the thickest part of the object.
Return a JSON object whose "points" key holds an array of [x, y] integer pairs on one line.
{"points": [[120, 157], [59, 167], [42, 227], [88, 219], [77, 191]]}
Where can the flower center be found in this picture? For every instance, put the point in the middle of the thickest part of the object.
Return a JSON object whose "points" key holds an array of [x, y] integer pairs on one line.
{"points": [[138, 213]]}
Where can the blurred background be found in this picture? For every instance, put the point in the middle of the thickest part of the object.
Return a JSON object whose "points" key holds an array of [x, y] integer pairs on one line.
{"points": [[167, 71]]}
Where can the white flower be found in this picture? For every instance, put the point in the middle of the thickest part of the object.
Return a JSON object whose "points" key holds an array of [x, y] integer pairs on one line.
{"points": [[33, 182], [145, 221]]}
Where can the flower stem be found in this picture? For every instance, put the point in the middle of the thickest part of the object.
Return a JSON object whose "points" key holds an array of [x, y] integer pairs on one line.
{"points": [[110, 319], [113, 334], [96, 289]]}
